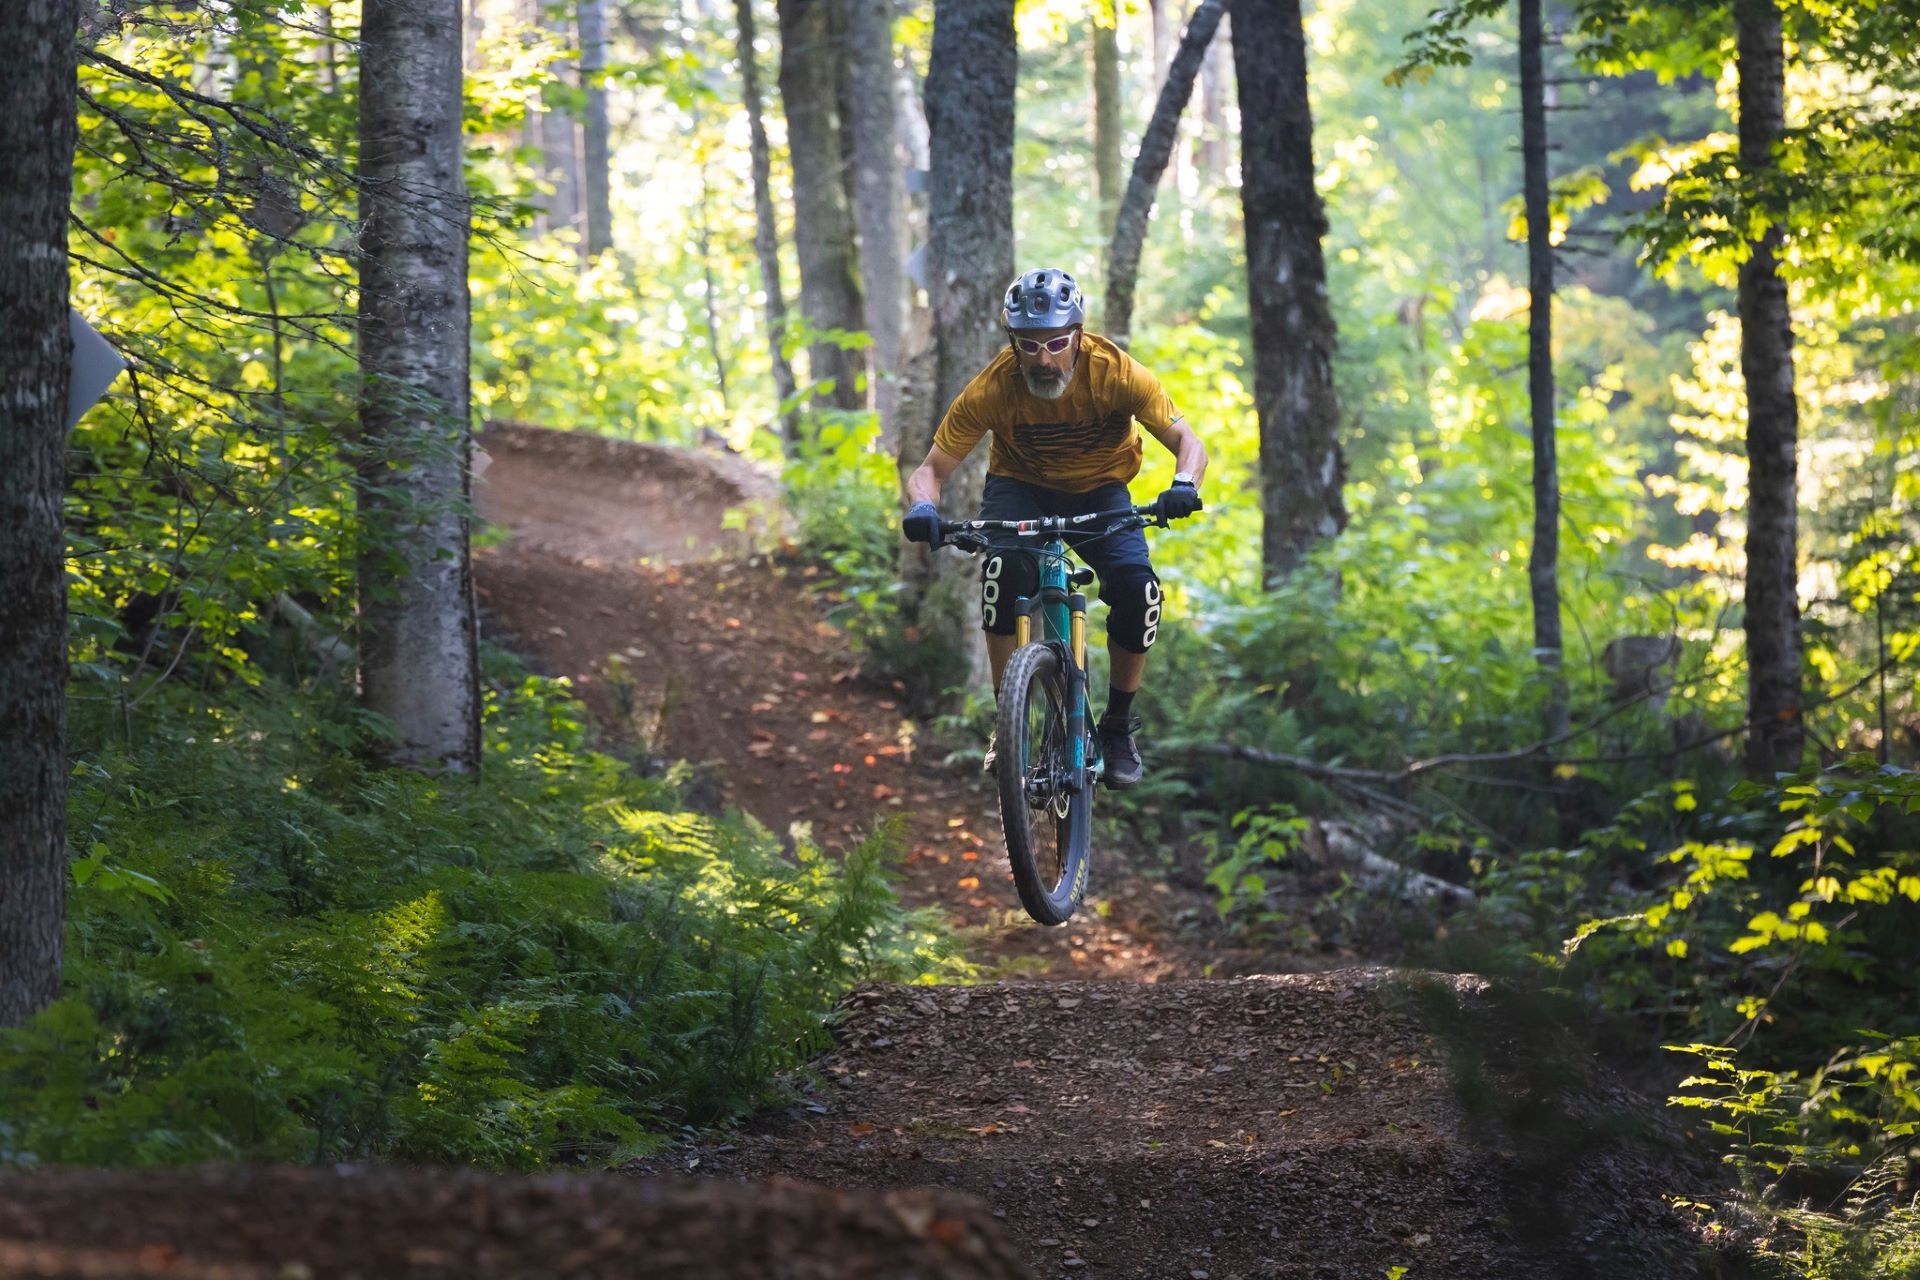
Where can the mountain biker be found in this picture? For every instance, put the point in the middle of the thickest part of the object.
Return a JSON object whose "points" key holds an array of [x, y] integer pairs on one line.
{"points": [[1061, 404]]}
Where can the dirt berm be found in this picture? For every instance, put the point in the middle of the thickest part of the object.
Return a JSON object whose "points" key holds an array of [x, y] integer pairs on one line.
{"points": [[228, 1223]]}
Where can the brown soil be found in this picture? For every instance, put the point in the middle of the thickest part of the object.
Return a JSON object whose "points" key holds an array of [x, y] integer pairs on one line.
{"points": [[1114, 1111], [303, 1224]]}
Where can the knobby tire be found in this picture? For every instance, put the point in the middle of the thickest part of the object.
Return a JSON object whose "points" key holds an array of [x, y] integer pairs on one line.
{"points": [[1047, 845]]}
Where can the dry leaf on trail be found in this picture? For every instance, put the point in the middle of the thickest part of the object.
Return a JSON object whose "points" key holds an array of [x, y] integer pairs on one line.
{"points": [[861, 1129], [969, 882], [760, 748]]}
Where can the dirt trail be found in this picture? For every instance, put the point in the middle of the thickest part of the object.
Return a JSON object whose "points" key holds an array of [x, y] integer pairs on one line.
{"points": [[616, 573], [1120, 1117]]}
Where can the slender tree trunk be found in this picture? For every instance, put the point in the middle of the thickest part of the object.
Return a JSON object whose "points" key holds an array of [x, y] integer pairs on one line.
{"points": [[1105, 20], [1210, 150], [1164, 16], [880, 203], [597, 161], [1302, 469], [766, 239], [1156, 146], [1775, 741], [36, 361], [1543, 566], [560, 161], [970, 88], [709, 290], [418, 653], [822, 226]]}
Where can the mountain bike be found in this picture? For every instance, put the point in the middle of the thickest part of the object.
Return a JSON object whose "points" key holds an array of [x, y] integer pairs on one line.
{"points": [[1048, 755]]}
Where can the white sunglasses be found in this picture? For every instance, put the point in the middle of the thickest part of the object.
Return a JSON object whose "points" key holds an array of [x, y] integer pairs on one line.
{"points": [[1034, 346]]}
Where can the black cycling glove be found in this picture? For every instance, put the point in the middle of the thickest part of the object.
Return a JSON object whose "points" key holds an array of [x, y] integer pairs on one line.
{"points": [[922, 524], [1179, 501]]}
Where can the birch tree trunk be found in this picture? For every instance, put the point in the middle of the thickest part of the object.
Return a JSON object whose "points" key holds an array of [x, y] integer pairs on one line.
{"points": [[970, 88], [766, 238], [1543, 563], [1302, 469], [1775, 738], [596, 160], [1105, 20], [1156, 146], [418, 655], [36, 359], [822, 226], [880, 200]]}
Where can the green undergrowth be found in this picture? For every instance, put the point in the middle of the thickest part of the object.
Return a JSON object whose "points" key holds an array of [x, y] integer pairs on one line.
{"points": [[276, 951]]}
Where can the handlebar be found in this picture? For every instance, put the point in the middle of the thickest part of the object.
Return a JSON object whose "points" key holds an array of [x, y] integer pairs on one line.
{"points": [[971, 535]]}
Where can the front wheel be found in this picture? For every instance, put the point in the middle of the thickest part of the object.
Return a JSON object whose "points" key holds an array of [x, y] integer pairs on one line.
{"points": [[1045, 811]]}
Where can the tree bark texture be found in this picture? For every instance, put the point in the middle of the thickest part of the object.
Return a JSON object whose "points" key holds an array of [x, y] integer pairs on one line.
{"points": [[1775, 737], [418, 655], [1543, 565], [880, 199], [1156, 147], [1302, 469], [970, 90], [822, 225], [36, 360], [766, 237], [1105, 20], [596, 143]]}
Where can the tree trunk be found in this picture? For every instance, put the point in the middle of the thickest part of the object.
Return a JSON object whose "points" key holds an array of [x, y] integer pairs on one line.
{"points": [[418, 656], [36, 361], [1302, 469], [1775, 736], [766, 239], [709, 293], [1543, 565], [1156, 145], [970, 88], [597, 162], [1105, 20], [880, 202], [1164, 16], [1210, 151], [822, 226], [560, 162]]}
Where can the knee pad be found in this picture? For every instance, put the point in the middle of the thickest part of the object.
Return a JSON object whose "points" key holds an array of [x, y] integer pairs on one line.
{"points": [[1132, 594], [1005, 576]]}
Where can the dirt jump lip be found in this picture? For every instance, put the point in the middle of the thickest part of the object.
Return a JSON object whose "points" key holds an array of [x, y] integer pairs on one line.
{"points": [[593, 498]]}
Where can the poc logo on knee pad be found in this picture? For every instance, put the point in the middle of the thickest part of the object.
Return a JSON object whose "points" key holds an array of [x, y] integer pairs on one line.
{"points": [[1152, 615], [990, 591]]}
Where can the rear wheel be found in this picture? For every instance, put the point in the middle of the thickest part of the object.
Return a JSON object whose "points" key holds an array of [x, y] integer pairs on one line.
{"points": [[1047, 819]]}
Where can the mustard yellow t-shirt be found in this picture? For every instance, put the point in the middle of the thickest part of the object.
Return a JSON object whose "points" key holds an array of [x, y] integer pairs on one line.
{"points": [[1081, 441]]}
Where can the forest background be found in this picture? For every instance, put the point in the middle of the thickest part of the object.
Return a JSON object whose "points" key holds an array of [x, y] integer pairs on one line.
{"points": [[1628, 858]]}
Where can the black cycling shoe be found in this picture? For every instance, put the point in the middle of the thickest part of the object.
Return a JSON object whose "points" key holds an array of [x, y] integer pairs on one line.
{"points": [[1117, 749]]}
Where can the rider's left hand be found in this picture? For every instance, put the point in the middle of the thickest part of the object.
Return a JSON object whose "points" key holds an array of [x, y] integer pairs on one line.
{"points": [[1179, 501]]}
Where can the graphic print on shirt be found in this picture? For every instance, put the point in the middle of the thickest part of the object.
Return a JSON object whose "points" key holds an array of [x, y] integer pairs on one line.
{"points": [[1051, 448]]}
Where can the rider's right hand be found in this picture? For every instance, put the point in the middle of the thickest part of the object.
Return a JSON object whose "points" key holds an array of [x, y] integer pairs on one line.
{"points": [[922, 524]]}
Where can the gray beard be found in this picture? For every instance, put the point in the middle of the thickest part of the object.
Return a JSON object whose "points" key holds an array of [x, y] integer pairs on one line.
{"points": [[1044, 385]]}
